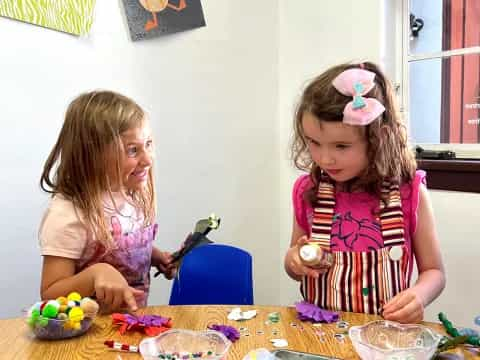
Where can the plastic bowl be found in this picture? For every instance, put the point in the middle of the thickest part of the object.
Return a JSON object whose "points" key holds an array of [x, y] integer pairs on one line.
{"points": [[180, 344], [51, 320], [55, 329], [388, 340]]}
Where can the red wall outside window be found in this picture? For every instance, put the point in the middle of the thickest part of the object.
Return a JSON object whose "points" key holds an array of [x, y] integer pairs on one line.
{"points": [[460, 74]]}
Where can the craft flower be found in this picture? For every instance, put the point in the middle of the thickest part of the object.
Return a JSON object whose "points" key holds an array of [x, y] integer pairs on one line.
{"points": [[151, 325], [307, 311], [229, 331]]}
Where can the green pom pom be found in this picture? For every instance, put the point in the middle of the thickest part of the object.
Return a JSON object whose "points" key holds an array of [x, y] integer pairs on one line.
{"points": [[51, 309], [35, 314], [31, 322], [42, 321]]}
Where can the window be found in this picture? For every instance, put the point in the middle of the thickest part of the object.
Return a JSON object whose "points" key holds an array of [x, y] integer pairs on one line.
{"points": [[441, 99]]}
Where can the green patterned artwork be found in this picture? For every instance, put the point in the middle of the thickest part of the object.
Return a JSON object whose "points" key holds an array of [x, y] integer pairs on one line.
{"points": [[71, 16]]}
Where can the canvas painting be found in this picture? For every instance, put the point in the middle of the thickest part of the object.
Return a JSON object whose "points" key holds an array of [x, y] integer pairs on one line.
{"points": [[152, 18], [70, 16]]}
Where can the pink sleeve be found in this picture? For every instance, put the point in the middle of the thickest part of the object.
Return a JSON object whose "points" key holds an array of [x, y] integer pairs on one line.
{"points": [[300, 207], [61, 231], [418, 181]]}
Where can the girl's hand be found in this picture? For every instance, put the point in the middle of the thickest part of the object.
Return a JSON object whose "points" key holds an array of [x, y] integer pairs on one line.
{"points": [[113, 291], [406, 307], [162, 260], [295, 265]]}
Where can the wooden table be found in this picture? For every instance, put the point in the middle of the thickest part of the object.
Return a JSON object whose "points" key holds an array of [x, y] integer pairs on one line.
{"points": [[16, 342]]}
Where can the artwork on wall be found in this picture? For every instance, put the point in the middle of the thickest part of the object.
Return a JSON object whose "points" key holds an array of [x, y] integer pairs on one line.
{"points": [[70, 16], [152, 18]]}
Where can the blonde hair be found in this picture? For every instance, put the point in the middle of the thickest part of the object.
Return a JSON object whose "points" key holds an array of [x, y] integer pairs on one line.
{"points": [[77, 165], [388, 151]]}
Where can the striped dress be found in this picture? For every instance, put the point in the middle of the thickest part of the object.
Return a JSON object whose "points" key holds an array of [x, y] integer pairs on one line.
{"points": [[370, 244]]}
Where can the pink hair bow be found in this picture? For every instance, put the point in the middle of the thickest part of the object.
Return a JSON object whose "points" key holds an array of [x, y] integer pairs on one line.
{"points": [[356, 83]]}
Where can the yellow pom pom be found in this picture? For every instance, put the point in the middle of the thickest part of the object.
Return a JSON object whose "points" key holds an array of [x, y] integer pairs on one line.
{"points": [[76, 325], [68, 325], [76, 314], [75, 296]]}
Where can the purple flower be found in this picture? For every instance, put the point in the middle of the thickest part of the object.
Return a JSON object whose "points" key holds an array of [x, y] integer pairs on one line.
{"points": [[307, 311], [153, 320], [146, 320], [229, 331]]}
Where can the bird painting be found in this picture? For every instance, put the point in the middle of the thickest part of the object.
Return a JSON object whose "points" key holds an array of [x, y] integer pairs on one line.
{"points": [[155, 6]]}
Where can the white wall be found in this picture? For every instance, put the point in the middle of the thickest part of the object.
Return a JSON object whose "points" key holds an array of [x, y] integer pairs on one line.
{"points": [[457, 216], [211, 93]]}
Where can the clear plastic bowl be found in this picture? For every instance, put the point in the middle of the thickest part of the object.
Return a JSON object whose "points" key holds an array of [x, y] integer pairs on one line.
{"points": [[181, 344], [388, 340], [54, 329], [60, 326]]}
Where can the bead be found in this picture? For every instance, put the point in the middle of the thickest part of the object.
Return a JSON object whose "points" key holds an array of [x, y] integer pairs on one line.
{"points": [[477, 320], [274, 317], [342, 325]]}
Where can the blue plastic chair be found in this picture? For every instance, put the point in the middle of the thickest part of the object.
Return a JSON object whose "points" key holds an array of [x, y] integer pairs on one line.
{"points": [[214, 274]]}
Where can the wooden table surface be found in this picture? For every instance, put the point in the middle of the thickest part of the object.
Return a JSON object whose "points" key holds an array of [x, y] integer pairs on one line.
{"points": [[16, 341]]}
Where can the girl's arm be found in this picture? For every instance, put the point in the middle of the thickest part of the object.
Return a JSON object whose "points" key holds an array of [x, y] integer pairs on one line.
{"points": [[101, 280], [408, 305], [431, 273], [292, 263]]}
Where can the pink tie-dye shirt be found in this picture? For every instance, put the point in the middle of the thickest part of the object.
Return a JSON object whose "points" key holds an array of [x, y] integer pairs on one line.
{"points": [[63, 233]]}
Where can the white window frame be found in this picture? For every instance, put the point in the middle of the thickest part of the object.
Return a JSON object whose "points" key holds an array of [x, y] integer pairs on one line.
{"points": [[402, 72]]}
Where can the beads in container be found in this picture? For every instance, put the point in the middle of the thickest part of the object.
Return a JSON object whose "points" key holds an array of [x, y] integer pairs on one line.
{"points": [[182, 344], [62, 318]]}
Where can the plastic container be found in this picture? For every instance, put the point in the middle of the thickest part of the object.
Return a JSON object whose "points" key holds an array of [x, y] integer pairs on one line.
{"points": [[61, 318], [388, 340], [55, 329], [180, 344], [313, 255]]}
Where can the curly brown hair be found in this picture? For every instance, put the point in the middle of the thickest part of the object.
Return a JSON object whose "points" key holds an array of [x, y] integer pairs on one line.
{"points": [[77, 165], [388, 151]]}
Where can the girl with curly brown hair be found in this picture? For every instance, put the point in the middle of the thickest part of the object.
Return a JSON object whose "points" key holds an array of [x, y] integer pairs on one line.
{"points": [[362, 210]]}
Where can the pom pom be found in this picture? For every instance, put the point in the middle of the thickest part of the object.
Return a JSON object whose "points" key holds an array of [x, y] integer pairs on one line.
{"points": [[50, 310], [90, 307], [76, 314], [74, 296], [42, 321], [33, 316], [42, 305], [62, 300], [62, 317]]}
